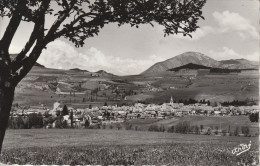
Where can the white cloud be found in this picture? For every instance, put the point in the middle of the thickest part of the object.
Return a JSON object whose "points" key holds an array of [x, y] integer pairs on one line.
{"points": [[227, 22], [227, 53], [61, 55], [233, 22], [198, 34]]}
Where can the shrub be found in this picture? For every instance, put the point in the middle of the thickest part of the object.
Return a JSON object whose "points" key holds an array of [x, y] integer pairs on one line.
{"points": [[118, 126], [153, 128], [19, 122], [224, 132], [104, 126], [35, 120], [216, 130], [171, 129], [58, 123], [91, 127], [197, 130], [65, 124], [183, 127], [129, 127], [111, 126], [245, 130], [236, 131], [65, 110], [254, 117], [162, 128], [201, 128], [86, 124]]}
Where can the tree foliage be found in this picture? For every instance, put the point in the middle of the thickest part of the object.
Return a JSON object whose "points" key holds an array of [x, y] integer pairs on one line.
{"points": [[65, 110], [78, 20], [254, 117], [35, 120]]}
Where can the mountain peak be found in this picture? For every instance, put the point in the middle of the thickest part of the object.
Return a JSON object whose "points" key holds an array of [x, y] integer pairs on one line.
{"points": [[183, 59], [104, 73], [101, 71], [191, 53]]}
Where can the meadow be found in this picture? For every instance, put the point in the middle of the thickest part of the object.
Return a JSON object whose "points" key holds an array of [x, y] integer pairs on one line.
{"points": [[107, 147]]}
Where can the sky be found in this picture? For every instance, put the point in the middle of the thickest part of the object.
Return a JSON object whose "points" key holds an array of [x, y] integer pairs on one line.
{"points": [[229, 31]]}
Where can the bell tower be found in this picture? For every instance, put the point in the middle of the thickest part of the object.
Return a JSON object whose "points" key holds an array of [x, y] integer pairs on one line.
{"points": [[171, 101]]}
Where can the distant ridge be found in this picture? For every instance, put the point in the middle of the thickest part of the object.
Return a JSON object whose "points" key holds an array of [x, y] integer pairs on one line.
{"points": [[239, 64], [189, 66], [196, 58], [101, 71], [36, 64], [77, 69], [104, 73], [192, 66], [39, 65]]}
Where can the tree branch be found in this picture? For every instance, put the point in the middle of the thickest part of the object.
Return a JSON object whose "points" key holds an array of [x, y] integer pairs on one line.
{"points": [[28, 62], [58, 22], [37, 34], [29, 44], [13, 25], [76, 20]]}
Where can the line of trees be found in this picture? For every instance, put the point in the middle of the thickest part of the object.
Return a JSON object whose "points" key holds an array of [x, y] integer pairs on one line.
{"points": [[237, 103], [193, 101], [220, 70], [186, 128], [26, 122]]}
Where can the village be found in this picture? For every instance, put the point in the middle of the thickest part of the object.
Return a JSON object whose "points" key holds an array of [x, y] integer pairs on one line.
{"points": [[107, 114]]}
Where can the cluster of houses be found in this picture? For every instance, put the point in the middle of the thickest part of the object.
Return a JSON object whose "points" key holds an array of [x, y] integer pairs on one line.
{"points": [[118, 114]]}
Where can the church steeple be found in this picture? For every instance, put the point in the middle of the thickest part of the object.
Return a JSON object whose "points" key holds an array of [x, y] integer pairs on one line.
{"points": [[171, 101]]}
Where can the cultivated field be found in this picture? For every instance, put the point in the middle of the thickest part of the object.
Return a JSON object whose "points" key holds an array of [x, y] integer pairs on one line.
{"points": [[85, 146], [40, 86]]}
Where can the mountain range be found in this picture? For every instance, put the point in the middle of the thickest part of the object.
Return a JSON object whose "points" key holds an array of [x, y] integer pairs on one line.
{"points": [[182, 60], [46, 85], [200, 59]]}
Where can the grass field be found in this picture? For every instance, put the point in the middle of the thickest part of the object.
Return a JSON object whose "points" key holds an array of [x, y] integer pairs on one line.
{"points": [[105, 147], [222, 122]]}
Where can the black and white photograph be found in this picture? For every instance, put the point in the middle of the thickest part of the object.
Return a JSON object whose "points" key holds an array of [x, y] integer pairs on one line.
{"points": [[129, 82]]}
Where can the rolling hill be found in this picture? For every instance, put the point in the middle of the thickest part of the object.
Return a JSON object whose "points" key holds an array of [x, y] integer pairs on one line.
{"points": [[239, 64], [78, 70], [45, 85]]}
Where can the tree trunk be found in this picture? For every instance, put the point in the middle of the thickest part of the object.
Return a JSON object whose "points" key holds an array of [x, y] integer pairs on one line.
{"points": [[6, 100], [6, 91]]}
